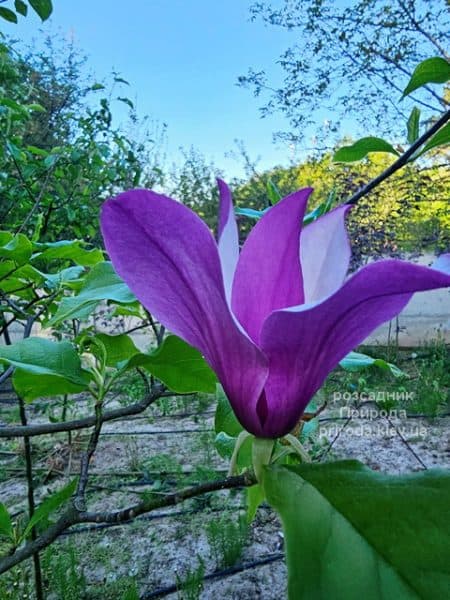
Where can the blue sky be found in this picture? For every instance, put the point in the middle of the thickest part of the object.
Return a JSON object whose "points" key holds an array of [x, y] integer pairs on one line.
{"points": [[182, 59]]}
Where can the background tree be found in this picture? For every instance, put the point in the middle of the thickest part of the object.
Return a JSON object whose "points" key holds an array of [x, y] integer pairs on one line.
{"points": [[351, 59], [61, 151]]}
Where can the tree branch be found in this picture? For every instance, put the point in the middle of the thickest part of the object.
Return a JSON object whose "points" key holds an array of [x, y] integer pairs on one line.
{"points": [[43, 428], [401, 161], [72, 516]]}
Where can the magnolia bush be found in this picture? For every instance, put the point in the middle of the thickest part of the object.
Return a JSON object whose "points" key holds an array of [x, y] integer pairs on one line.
{"points": [[261, 326]]}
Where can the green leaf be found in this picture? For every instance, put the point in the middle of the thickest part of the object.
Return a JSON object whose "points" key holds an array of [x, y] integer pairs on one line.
{"points": [[431, 70], [8, 14], [356, 361], [65, 276], [179, 366], [21, 7], [320, 210], [15, 247], [118, 348], [255, 497], [225, 420], [49, 505], [43, 8], [68, 249], [354, 533], [126, 101], [441, 138], [44, 368], [362, 148], [250, 212], [413, 125], [102, 283], [273, 192], [225, 444], [6, 528]]}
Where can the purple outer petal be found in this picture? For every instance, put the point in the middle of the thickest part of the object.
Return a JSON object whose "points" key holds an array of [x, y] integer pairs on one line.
{"points": [[169, 259], [325, 254], [228, 237], [268, 275], [305, 344]]}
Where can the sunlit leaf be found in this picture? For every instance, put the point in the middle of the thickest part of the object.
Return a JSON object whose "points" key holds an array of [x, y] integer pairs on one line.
{"points": [[362, 148], [431, 70]]}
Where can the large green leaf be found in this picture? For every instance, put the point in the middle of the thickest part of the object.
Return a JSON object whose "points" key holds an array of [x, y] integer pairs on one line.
{"points": [[362, 148], [179, 366], [67, 250], [15, 247], [49, 505], [431, 70], [44, 368], [102, 283], [354, 533], [356, 361]]}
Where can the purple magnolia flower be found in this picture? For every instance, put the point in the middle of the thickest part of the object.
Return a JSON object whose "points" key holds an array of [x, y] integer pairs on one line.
{"points": [[273, 319]]}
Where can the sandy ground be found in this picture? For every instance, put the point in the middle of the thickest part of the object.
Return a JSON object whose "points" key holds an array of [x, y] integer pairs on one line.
{"points": [[156, 551]]}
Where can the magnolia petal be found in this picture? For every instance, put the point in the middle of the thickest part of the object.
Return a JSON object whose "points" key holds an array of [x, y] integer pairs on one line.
{"points": [[169, 259], [306, 343], [268, 275], [228, 237], [325, 254]]}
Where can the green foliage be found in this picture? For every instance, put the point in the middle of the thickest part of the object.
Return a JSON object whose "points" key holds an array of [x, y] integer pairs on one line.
{"points": [[43, 368], [351, 532], [356, 361], [61, 154], [409, 212], [430, 380], [178, 365], [441, 138], [49, 505], [413, 125], [190, 586], [227, 539], [65, 577], [362, 148], [101, 284], [6, 527], [430, 70]]}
